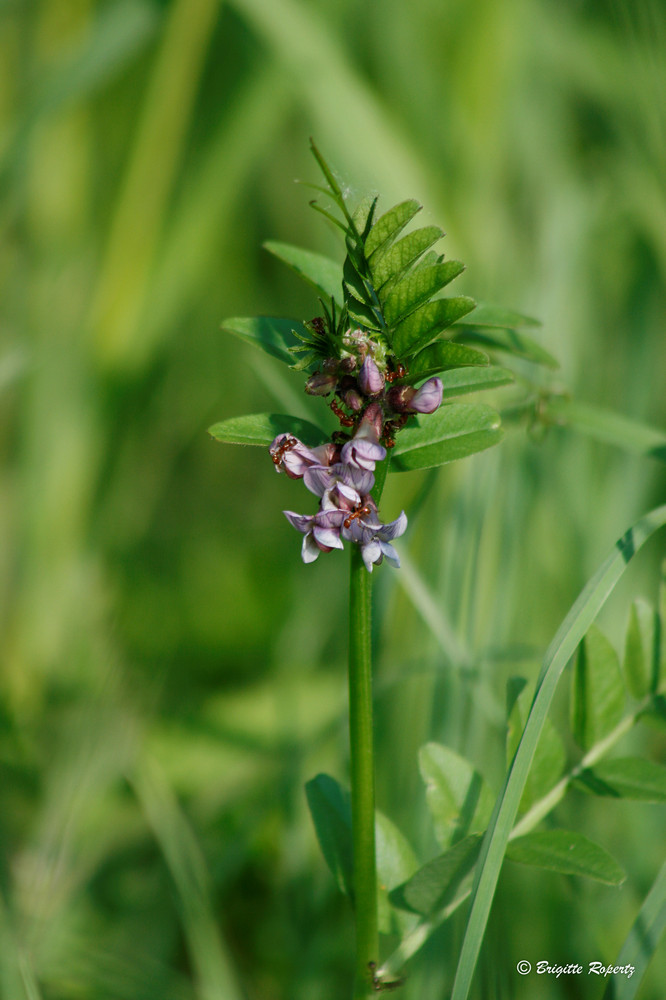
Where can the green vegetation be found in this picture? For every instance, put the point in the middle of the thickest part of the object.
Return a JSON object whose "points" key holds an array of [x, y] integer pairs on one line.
{"points": [[172, 675]]}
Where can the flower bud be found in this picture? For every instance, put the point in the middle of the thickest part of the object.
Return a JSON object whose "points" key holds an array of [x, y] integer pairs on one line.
{"points": [[353, 400], [407, 399], [321, 384], [370, 379]]}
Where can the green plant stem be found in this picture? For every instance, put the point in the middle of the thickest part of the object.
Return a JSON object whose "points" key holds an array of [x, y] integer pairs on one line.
{"points": [[362, 773]]}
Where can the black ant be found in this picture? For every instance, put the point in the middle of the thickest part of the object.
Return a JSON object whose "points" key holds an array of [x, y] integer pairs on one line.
{"points": [[382, 985]]}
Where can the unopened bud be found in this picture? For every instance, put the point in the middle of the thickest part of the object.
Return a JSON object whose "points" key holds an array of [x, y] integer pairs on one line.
{"points": [[370, 379], [320, 384]]}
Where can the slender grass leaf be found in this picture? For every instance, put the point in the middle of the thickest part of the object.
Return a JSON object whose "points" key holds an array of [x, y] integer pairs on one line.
{"points": [[488, 315], [434, 885], [459, 800], [331, 814], [418, 288], [262, 428], [387, 228], [565, 642], [419, 329], [273, 335], [510, 341], [567, 853], [402, 255], [641, 654], [607, 426], [452, 432], [597, 690], [641, 942], [626, 778], [660, 624], [324, 274], [441, 355], [335, 190], [549, 757]]}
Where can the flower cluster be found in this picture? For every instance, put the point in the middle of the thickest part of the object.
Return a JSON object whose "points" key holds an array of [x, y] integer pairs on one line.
{"points": [[373, 400]]}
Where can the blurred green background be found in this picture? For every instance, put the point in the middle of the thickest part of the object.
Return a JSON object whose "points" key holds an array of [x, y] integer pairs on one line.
{"points": [[171, 673]]}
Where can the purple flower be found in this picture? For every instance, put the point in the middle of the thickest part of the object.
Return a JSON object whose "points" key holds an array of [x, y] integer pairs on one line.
{"points": [[370, 379], [350, 482], [321, 532], [364, 448], [406, 399], [294, 457], [366, 530]]}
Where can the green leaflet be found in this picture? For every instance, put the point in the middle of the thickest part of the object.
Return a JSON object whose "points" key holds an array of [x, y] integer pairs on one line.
{"points": [[567, 853], [427, 322], [458, 797], [597, 690], [459, 381], [387, 228], [452, 432], [330, 807], [417, 288], [324, 274], [641, 650], [626, 778], [444, 354], [434, 885], [403, 254], [273, 335], [262, 428]]}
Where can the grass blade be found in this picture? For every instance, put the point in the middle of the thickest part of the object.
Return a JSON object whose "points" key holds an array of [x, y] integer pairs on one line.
{"points": [[567, 638], [641, 942]]}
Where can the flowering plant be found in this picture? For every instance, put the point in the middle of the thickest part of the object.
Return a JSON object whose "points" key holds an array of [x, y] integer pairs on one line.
{"points": [[393, 354]]}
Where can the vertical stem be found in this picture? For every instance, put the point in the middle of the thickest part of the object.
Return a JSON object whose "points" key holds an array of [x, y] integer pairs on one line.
{"points": [[362, 773]]}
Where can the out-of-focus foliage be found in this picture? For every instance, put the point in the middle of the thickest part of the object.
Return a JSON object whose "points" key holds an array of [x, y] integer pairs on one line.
{"points": [[171, 673]]}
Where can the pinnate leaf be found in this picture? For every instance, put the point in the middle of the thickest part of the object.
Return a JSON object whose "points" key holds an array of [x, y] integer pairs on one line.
{"points": [[387, 228], [626, 778], [404, 252], [568, 853], [423, 325], [459, 800], [452, 432], [263, 428], [597, 691], [489, 315], [418, 288]]}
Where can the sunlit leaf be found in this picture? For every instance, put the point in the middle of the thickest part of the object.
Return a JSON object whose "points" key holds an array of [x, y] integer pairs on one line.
{"points": [[444, 354], [392, 265], [324, 274], [262, 428], [459, 800], [626, 778], [419, 329], [452, 432], [567, 853], [418, 288], [387, 228], [597, 690]]}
